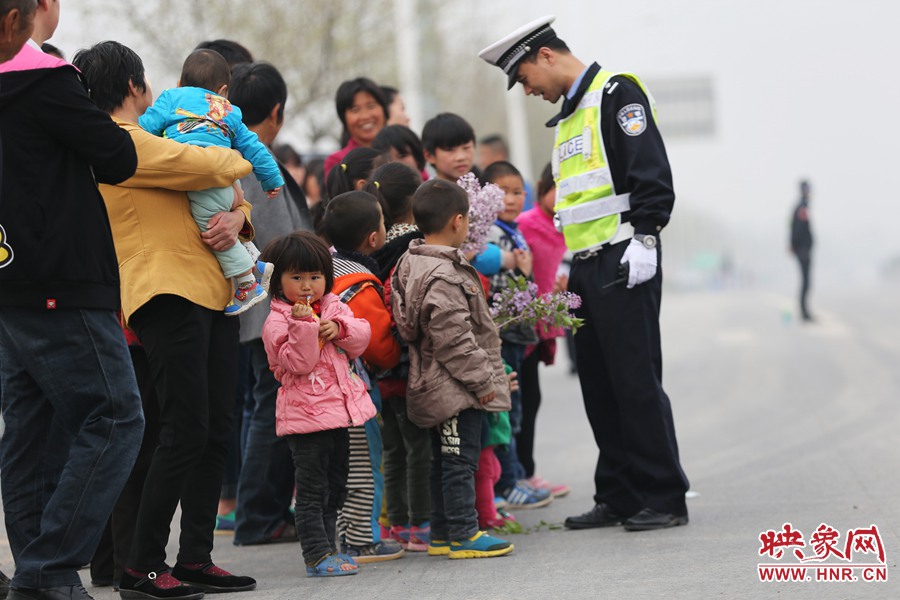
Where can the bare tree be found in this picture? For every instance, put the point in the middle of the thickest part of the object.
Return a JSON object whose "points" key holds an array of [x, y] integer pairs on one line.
{"points": [[314, 44], [317, 44]]}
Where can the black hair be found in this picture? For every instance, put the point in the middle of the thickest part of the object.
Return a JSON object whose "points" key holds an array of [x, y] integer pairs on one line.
{"points": [[256, 88], [546, 182], [205, 69], [350, 218], [556, 44], [356, 165], [437, 202], [315, 168], [25, 8], [495, 141], [446, 131], [396, 183], [107, 68], [48, 48], [298, 252], [499, 169], [286, 154], [403, 140], [233, 52], [389, 93], [346, 92]]}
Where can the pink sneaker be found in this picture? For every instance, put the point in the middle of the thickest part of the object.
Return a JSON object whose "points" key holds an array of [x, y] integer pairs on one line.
{"points": [[419, 538], [557, 491], [500, 519], [400, 534]]}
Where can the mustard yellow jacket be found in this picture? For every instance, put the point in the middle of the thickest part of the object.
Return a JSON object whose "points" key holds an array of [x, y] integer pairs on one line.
{"points": [[157, 241]]}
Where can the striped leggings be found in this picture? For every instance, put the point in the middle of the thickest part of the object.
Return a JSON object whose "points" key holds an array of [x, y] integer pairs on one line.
{"points": [[357, 523]]}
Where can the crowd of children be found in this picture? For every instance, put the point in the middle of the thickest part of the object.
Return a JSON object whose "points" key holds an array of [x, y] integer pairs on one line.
{"points": [[379, 312]]}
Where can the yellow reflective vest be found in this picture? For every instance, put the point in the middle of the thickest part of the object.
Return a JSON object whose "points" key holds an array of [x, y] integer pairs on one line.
{"points": [[587, 206]]}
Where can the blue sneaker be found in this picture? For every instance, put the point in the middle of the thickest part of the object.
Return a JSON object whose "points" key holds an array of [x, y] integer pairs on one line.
{"points": [[244, 299], [523, 495], [480, 545], [224, 523], [263, 273], [377, 552]]}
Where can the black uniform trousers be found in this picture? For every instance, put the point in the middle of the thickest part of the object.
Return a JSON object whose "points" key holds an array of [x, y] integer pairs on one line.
{"points": [[620, 368], [803, 257]]}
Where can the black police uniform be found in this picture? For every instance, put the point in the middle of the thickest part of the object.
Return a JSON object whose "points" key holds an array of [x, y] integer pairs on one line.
{"points": [[618, 350]]}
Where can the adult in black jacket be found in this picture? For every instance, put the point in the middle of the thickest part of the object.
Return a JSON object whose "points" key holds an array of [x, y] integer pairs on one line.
{"points": [[70, 401], [801, 245]]}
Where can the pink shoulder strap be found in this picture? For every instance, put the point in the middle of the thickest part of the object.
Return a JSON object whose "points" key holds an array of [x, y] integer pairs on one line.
{"points": [[29, 59]]}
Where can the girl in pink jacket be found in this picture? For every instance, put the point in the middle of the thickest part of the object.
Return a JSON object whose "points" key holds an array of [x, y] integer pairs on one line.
{"points": [[311, 337]]}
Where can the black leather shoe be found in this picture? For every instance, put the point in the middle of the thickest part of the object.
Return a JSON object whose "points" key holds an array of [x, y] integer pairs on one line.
{"points": [[602, 515], [4, 586], [211, 578], [68, 592], [649, 519]]}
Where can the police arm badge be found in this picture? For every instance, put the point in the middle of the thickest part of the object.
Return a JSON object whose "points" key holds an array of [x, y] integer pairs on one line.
{"points": [[632, 119]]}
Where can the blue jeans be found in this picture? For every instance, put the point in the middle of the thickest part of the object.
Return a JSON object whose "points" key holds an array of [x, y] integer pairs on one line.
{"points": [[266, 482], [73, 429], [455, 447]]}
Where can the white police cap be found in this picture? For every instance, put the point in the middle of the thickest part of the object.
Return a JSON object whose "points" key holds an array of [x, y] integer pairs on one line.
{"points": [[509, 51]]}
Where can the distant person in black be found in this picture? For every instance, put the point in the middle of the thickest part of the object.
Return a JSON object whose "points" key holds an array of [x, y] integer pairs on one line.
{"points": [[801, 244]]}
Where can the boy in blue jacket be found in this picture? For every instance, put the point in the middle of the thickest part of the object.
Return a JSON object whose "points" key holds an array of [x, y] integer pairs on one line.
{"points": [[198, 113]]}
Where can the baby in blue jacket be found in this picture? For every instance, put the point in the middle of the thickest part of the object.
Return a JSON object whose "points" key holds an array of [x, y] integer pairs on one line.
{"points": [[198, 113]]}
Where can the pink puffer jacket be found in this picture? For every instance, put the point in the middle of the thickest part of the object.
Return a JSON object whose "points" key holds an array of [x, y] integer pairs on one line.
{"points": [[318, 390]]}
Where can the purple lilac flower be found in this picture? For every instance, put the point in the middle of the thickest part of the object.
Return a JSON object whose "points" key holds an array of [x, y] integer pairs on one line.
{"points": [[485, 203]]}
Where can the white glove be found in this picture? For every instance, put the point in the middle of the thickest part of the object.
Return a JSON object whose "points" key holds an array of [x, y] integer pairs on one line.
{"points": [[641, 263]]}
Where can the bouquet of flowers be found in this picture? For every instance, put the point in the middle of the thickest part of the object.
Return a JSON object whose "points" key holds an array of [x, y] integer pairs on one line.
{"points": [[520, 302], [485, 203]]}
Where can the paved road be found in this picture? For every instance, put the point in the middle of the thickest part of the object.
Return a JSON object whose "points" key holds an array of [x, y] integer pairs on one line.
{"points": [[777, 422]]}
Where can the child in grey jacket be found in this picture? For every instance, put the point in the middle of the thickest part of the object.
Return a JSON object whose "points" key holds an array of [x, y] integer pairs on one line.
{"points": [[455, 367]]}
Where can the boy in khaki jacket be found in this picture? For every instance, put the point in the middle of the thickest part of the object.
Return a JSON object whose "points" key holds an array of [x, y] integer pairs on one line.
{"points": [[455, 368]]}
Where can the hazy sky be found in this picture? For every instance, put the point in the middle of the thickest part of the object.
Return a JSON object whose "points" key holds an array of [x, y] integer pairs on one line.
{"points": [[802, 89]]}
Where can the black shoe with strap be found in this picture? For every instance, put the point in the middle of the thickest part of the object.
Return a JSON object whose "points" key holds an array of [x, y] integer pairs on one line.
{"points": [[602, 515], [156, 585], [210, 578]]}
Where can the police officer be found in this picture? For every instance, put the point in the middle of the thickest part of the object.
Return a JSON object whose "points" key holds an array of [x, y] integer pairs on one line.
{"points": [[614, 196], [801, 245]]}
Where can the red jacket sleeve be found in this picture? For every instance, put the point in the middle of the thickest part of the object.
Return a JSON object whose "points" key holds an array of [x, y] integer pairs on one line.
{"points": [[383, 351]]}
